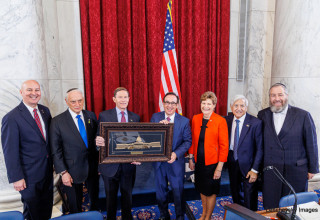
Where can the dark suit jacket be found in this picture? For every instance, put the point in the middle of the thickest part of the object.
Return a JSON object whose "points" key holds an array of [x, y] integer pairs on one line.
{"points": [[26, 152], [250, 149], [110, 115], [181, 140], [294, 152], [69, 151]]}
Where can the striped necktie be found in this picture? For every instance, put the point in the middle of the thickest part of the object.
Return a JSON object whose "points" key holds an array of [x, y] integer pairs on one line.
{"points": [[36, 117]]}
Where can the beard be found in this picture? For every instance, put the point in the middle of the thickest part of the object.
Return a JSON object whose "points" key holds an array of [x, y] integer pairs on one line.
{"points": [[276, 109]]}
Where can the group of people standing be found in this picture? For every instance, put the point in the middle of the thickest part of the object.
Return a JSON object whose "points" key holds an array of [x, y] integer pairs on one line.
{"points": [[284, 137]]}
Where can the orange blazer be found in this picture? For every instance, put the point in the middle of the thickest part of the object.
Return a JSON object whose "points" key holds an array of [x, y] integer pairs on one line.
{"points": [[216, 142]]}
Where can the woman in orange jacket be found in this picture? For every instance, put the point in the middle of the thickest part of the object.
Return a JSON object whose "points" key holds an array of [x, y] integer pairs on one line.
{"points": [[209, 149]]}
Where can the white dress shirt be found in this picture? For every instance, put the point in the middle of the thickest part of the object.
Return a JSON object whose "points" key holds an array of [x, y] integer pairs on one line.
{"points": [[171, 117], [119, 115], [75, 119], [41, 120], [278, 119]]}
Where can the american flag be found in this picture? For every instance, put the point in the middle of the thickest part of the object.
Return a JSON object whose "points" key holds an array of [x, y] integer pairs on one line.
{"points": [[169, 69]]}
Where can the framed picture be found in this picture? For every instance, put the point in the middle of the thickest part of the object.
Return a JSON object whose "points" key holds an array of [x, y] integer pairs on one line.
{"points": [[140, 142]]}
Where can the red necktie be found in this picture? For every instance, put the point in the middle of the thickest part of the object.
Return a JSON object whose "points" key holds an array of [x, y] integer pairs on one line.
{"points": [[36, 117], [123, 119], [168, 119]]}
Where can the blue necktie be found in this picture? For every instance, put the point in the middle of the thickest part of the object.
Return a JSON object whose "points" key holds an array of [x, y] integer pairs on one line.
{"points": [[236, 141], [82, 130]]}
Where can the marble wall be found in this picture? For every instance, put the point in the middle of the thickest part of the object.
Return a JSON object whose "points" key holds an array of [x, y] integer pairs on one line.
{"points": [[38, 40], [296, 53], [259, 53]]}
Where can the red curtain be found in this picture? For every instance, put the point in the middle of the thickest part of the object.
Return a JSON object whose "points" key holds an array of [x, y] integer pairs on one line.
{"points": [[122, 44]]}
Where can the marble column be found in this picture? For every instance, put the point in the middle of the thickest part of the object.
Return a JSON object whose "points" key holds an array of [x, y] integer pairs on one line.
{"points": [[259, 52], [22, 57], [296, 53]]}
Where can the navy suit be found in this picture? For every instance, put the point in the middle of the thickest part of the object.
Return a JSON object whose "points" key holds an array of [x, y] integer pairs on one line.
{"points": [[27, 156], [118, 174], [174, 173], [294, 152], [250, 154], [70, 153]]}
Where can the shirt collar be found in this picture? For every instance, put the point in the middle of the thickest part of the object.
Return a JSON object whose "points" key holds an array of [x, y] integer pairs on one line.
{"points": [[171, 117], [119, 111], [74, 115], [30, 108], [240, 119]]}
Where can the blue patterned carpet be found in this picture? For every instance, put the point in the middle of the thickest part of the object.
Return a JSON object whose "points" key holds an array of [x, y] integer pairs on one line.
{"points": [[152, 212]]}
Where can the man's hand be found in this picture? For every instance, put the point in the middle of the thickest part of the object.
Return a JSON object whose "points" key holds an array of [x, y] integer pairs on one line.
{"points": [[310, 176], [173, 157], [165, 121], [191, 165], [136, 163], [20, 185], [100, 141], [253, 176], [67, 179]]}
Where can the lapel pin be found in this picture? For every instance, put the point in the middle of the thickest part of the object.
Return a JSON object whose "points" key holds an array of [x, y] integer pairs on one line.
{"points": [[248, 125], [89, 121], [130, 120]]}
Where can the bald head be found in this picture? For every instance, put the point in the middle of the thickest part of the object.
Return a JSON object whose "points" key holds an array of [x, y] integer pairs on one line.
{"points": [[31, 93]]}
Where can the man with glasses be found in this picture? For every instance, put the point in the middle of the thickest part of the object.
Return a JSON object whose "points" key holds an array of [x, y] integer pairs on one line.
{"points": [[173, 170], [290, 145]]}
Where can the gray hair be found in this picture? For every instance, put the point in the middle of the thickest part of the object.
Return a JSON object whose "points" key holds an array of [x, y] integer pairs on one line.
{"points": [[238, 97], [281, 85], [71, 90]]}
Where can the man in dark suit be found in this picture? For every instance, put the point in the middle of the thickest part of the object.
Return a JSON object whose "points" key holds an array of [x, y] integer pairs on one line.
{"points": [[245, 153], [24, 137], [115, 175], [75, 158], [290, 145], [173, 170]]}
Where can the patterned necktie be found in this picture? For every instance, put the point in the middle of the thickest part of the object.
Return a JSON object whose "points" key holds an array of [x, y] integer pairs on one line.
{"points": [[123, 119], [82, 130], [36, 117], [168, 119], [236, 141]]}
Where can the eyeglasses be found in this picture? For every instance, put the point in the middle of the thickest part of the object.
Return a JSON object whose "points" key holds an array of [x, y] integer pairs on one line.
{"points": [[170, 103]]}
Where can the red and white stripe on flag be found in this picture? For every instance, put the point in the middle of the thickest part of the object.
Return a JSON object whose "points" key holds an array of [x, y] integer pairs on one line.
{"points": [[169, 69]]}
